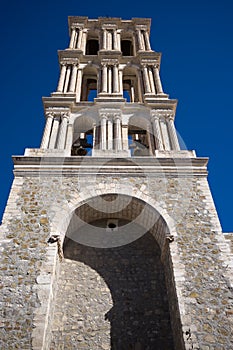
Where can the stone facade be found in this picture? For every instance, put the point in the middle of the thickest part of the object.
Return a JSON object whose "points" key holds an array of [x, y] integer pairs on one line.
{"points": [[110, 238]]}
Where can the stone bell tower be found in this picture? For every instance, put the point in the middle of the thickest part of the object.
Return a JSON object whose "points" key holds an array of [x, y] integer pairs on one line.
{"points": [[110, 238]]}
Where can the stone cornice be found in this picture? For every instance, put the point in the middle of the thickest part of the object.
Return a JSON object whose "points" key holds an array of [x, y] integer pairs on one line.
{"points": [[135, 166]]}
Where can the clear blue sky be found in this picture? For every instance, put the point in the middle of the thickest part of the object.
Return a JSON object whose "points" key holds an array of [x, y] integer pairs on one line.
{"points": [[196, 41]]}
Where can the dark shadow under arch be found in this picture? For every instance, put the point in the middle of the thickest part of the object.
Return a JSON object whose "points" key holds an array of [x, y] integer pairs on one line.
{"points": [[134, 274]]}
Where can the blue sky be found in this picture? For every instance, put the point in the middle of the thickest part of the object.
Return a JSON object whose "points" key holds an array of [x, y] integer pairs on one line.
{"points": [[196, 41]]}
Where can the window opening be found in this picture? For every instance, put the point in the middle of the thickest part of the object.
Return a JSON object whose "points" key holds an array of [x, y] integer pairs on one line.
{"points": [[92, 47], [126, 48]]}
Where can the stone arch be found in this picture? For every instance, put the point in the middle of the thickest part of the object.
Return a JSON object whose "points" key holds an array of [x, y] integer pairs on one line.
{"points": [[82, 135], [157, 239]]}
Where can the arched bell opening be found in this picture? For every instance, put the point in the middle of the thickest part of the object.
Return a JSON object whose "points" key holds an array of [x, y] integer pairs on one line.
{"points": [[89, 84], [127, 47], [131, 88], [82, 136], [140, 137], [114, 297]]}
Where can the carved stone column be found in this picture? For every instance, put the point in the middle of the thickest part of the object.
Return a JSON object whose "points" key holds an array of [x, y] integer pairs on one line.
{"points": [[69, 137], [120, 72], [158, 83], [110, 134], [78, 85], [115, 79], [147, 40], [104, 39], [53, 138], [103, 132], [73, 38], [94, 136], [119, 39], [165, 136], [157, 132], [140, 39], [73, 78], [67, 79], [115, 43], [84, 40], [172, 133], [125, 142], [47, 131], [62, 132], [117, 134], [79, 40], [146, 79], [62, 78], [109, 79], [104, 78], [151, 79]]}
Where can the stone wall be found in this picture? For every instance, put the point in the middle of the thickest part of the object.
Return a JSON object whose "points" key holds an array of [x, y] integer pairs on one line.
{"points": [[197, 263]]}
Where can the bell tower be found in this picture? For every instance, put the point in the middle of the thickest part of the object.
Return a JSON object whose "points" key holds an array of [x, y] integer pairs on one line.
{"points": [[110, 238]]}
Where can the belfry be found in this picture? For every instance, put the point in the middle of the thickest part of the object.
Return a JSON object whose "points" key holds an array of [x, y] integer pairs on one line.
{"points": [[110, 238]]}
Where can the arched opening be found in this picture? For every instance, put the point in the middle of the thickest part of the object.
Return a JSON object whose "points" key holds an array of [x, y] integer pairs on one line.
{"points": [[126, 47], [139, 136], [113, 297], [130, 84], [92, 47], [82, 137], [89, 83]]}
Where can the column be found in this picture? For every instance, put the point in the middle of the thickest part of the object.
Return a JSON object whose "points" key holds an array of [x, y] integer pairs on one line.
{"points": [[79, 41], [73, 78], [117, 136], [132, 96], [166, 140], [151, 79], [109, 40], [119, 40], [158, 84], [62, 132], [78, 85], [148, 134], [72, 38], [84, 40], [125, 143], [103, 133], [53, 138], [110, 133], [173, 134], [104, 78], [104, 39], [140, 42], [47, 131], [109, 79], [157, 133], [147, 40], [62, 78], [146, 79], [115, 79], [120, 72], [94, 135], [67, 79], [115, 43], [69, 137]]}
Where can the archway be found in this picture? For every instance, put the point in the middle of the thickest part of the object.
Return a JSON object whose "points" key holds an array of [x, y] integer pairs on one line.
{"points": [[113, 297]]}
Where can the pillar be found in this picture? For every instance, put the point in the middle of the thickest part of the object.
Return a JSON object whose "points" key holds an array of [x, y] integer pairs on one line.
{"points": [[117, 135], [79, 41], [103, 132], [104, 39], [119, 39], [73, 78], [47, 131], [115, 79], [110, 133], [140, 42], [72, 38], [115, 43], [147, 40], [84, 40], [158, 83], [146, 79], [173, 134], [120, 72], [109, 79], [67, 79], [78, 85], [53, 138], [157, 133], [62, 78], [69, 137], [148, 134], [165, 136], [94, 136], [62, 132], [151, 80], [104, 78], [125, 143]]}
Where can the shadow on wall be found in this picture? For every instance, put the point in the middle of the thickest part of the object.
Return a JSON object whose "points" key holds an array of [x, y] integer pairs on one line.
{"points": [[134, 275]]}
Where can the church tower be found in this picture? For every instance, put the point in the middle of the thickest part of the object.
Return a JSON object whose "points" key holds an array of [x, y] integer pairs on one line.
{"points": [[110, 238]]}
